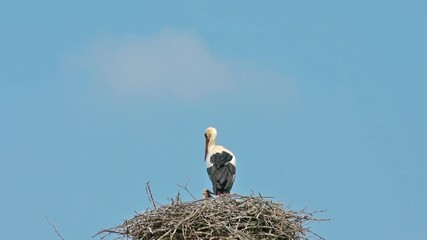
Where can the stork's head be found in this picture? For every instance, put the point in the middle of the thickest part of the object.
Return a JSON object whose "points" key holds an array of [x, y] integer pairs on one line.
{"points": [[210, 136], [210, 133]]}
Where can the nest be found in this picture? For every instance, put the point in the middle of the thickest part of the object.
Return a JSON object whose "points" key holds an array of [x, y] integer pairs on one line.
{"points": [[228, 216]]}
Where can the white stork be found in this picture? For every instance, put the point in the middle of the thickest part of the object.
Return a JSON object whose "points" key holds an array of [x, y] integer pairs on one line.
{"points": [[220, 164]]}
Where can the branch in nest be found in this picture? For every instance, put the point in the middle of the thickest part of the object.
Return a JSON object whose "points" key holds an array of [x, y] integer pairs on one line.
{"points": [[150, 195], [54, 228], [186, 189]]}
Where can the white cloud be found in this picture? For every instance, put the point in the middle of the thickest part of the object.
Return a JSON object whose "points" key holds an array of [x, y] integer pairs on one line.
{"points": [[169, 64], [176, 65]]}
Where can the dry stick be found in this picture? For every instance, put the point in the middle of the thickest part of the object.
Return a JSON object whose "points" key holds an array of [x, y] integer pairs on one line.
{"points": [[315, 234], [185, 188], [54, 228], [150, 195]]}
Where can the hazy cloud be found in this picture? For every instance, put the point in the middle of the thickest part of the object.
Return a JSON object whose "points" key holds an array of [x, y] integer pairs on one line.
{"points": [[173, 64], [167, 64]]}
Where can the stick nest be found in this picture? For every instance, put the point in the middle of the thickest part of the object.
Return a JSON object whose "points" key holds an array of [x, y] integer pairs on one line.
{"points": [[228, 216]]}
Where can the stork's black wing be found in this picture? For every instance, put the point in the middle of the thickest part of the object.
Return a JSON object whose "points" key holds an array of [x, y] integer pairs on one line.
{"points": [[222, 172]]}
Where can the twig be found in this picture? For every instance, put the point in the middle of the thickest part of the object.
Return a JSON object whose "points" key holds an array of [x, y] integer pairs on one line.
{"points": [[54, 228], [186, 189], [150, 195]]}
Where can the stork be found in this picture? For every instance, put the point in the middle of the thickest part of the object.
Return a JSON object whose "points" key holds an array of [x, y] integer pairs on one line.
{"points": [[220, 163]]}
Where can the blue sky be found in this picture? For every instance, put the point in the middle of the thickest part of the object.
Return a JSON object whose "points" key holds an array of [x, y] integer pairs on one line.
{"points": [[322, 102]]}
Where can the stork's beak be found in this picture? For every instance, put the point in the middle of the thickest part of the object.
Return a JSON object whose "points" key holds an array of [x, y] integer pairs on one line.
{"points": [[206, 146]]}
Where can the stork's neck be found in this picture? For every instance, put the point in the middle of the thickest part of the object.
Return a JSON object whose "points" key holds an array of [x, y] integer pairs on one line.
{"points": [[212, 142]]}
